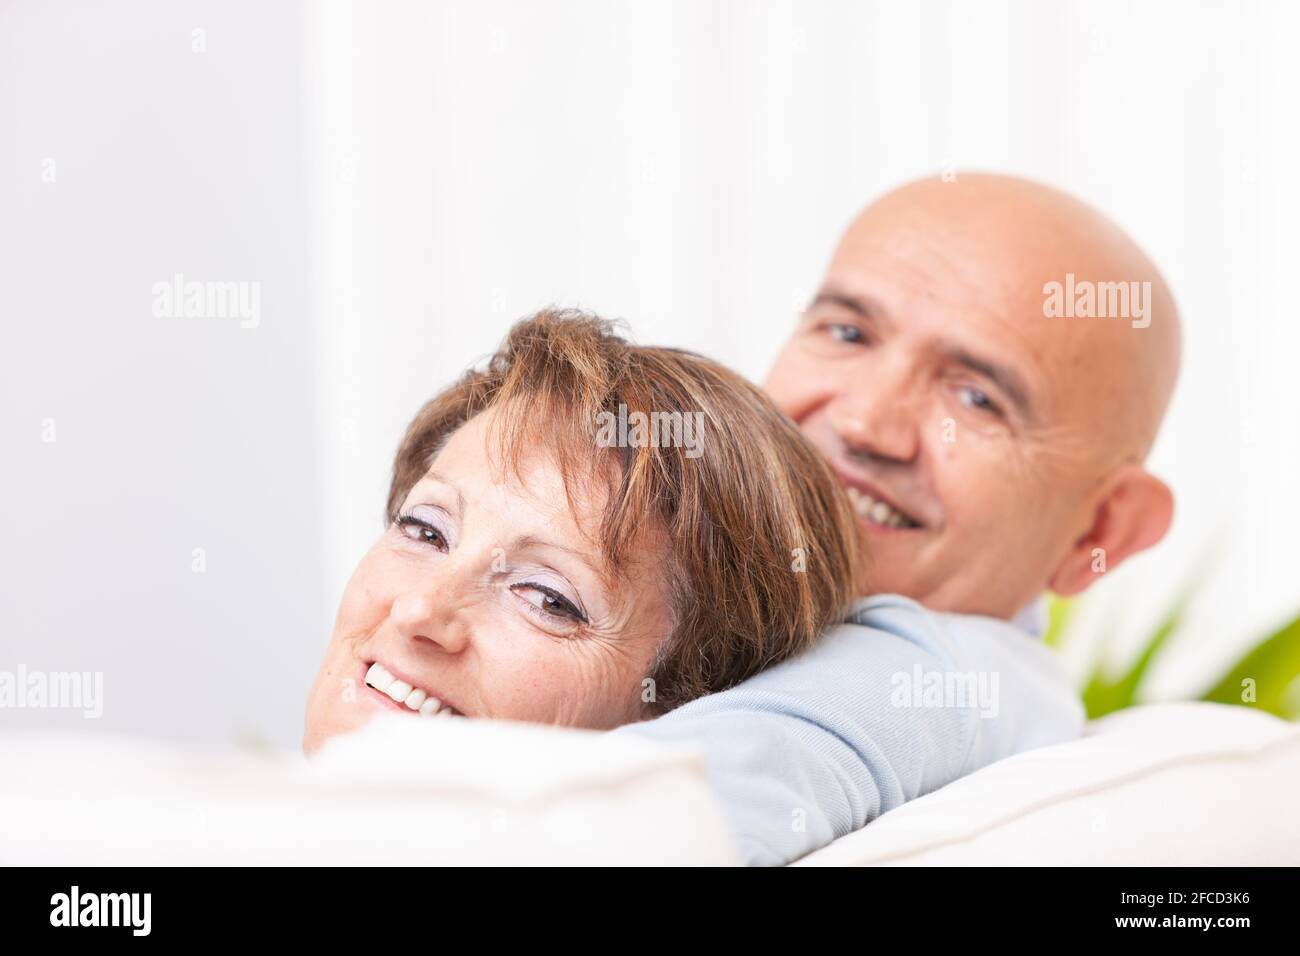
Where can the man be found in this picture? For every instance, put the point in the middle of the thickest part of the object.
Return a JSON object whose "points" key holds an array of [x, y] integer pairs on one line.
{"points": [[986, 365]]}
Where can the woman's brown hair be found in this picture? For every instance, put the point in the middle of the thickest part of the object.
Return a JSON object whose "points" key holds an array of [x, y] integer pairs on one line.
{"points": [[761, 544]]}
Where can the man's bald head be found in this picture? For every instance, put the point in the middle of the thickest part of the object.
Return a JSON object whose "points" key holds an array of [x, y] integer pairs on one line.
{"points": [[994, 450], [1023, 235]]}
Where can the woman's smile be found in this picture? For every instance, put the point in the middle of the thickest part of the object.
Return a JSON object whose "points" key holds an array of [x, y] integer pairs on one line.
{"points": [[393, 692]]}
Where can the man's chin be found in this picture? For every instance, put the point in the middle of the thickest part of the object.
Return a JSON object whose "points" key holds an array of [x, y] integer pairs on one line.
{"points": [[900, 563], [895, 557]]}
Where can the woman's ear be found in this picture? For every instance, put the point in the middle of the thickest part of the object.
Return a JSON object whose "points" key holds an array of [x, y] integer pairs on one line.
{"points": [[1133, 514]]}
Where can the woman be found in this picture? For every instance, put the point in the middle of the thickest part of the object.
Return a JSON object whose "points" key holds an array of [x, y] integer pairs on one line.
{"points": [[587, 532]]}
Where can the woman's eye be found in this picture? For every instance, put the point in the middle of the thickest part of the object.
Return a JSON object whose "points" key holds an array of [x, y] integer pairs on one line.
{"points": [[550, 602], [977, 399], [418, 529]]}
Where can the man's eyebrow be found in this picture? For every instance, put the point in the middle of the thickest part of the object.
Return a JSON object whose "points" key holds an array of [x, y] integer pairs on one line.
{"points": [[1005, 377], [864, 306]]}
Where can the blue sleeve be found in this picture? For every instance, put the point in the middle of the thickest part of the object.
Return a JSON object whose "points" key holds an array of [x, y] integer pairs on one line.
{"points": [[825, 742]]}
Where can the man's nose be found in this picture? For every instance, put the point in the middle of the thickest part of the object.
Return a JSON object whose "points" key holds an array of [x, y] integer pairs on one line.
{"points": [[429, 617], [876, 414]]}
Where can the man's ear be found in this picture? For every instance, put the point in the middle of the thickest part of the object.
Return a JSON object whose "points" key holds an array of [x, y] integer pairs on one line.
{"points": [[1132, 515]]}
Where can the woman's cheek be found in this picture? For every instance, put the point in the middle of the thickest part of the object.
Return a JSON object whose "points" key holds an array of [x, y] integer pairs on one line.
{"points": [[604, 686], [367, 596], [517, 673], [529, 675]]}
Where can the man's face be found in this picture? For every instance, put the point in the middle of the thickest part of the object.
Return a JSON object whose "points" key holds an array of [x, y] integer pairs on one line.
{"points": [[963, 423]]}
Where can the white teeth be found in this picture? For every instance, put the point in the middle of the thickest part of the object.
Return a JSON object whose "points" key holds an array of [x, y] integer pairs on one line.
{"points": [[875, 511], [436, 708], [378, 677], [415, 699]]}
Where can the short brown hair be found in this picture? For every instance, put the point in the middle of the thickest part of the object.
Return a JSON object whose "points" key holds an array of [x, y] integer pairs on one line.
{"points": [[762, 544]]}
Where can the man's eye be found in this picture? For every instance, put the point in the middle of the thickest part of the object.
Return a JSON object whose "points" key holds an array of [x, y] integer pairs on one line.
{"points": [[549, 602], [842, 332], [419, 530], [977, 399]]}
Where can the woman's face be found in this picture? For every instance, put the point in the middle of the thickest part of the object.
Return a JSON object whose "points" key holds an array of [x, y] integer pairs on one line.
{"points": [[487, 595]]}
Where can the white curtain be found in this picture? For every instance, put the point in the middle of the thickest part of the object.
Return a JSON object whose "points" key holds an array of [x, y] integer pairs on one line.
{"points": [[689, 165]]}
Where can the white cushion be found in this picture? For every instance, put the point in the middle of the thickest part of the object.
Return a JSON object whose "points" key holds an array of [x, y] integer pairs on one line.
{"points": [[482, 793], [1172, 784], [1166, 784]]}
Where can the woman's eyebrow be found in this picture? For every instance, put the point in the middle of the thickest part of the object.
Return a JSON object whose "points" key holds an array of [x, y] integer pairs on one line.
{"points": [[443, 480], [533, 541], [527, 540]]}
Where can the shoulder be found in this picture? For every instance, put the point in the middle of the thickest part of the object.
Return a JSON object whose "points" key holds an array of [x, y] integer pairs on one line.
{"points": [[1024, 694], [970, 639]]}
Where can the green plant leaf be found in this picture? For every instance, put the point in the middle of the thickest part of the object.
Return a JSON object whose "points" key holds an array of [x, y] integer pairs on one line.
{"points": [[1059, 612], [1103, 695], [1272, 666]]}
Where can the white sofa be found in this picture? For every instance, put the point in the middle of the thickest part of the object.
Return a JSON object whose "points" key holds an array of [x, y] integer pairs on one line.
{"points": [[1165, 784], [1188, 784]]}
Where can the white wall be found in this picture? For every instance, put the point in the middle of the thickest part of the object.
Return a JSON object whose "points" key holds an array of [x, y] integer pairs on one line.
{"points": [[170, 434], [406, 179]]}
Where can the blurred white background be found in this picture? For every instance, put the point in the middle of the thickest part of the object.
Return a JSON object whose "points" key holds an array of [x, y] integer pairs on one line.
{"points": [[404, 179]]}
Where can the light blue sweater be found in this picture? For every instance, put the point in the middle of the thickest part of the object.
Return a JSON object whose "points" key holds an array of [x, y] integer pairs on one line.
{"points": [[895, 704]]}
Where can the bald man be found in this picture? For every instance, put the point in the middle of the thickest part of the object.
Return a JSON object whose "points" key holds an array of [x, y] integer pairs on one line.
{"points": [[992, 451], [985, 365]]}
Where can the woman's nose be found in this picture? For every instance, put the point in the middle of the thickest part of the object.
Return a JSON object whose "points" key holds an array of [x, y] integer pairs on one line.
{"points": [[424, 618]]}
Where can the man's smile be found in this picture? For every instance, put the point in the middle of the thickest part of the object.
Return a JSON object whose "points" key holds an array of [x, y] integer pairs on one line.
{"points": [[877, 508], [877, 511]]}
